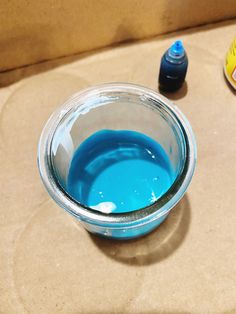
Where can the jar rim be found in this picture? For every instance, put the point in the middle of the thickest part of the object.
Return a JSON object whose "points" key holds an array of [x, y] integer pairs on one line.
{"points": [[153, 211]]}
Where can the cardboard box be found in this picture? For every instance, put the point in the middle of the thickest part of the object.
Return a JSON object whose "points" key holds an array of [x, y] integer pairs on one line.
{"points": [[49, 264]]}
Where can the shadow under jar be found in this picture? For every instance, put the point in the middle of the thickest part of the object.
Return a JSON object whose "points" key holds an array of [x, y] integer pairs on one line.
{"points": [[117, 106]]}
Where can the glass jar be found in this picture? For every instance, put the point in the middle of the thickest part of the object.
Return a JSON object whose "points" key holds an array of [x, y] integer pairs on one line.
{"points": [[116, 106]]}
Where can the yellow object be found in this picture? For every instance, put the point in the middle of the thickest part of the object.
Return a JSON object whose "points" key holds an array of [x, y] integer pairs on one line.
{"points": [[230, 64]]}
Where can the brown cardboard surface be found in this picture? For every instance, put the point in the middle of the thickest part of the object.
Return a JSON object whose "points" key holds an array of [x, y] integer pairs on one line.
{"points": [[32, 31], [49, 264]]}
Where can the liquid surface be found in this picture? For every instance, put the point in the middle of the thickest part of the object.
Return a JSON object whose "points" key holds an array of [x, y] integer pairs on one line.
{"points": [[119, 171]]}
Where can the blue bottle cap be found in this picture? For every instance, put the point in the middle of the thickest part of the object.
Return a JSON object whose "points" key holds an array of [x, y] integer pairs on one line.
{"points": [[177, 49]]}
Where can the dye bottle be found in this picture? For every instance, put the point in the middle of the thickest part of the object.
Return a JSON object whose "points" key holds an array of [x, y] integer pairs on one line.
{"points": [[173, 68]]}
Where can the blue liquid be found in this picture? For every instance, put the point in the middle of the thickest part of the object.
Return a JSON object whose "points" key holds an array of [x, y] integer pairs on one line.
{"points": [[119, 171]]}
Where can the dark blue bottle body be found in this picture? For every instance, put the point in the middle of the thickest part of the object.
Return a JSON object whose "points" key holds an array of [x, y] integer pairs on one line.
{"points": [[173, 68]]}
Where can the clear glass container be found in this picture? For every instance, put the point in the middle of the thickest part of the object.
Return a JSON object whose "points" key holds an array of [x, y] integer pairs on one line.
{"points": [[116, 106]]}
